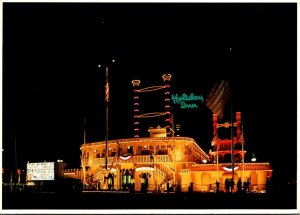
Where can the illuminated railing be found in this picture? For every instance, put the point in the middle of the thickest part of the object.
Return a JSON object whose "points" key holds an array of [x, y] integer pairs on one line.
{"points": [[247, 166], [139, 140], [186, 171], [138, 159], [148, 140], [160, 172]]}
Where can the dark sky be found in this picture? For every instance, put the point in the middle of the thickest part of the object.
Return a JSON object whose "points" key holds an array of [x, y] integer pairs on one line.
{"points": [[51, 80]]}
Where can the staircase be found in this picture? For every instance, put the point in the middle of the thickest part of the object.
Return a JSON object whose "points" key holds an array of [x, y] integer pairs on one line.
{"points": [[164, 171]]}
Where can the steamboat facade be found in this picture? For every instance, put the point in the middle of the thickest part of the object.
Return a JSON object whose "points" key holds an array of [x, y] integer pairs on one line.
{"points": [[164, 161]]}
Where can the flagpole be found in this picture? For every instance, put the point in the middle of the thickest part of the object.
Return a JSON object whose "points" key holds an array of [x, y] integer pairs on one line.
{"points": [[83, 157], [217, 157], [243, 161], [232, 145], [215, 125], [84, 131], [106, 127], [16, 160]]}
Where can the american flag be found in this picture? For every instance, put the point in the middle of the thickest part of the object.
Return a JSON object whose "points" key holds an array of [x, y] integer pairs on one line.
{"points": [[217, 97], [107, 92]]}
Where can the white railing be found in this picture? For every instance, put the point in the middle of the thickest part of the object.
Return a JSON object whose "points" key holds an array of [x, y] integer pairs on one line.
{"points": [[185, 171], [142, 139], [139, 159], [163, 158]]}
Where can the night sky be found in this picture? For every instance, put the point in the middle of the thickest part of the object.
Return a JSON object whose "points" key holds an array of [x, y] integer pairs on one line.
{"points": [[51, 79]]}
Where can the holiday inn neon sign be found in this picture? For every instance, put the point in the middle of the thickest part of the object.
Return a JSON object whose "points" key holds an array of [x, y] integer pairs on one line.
{"points": [[187, 101]]}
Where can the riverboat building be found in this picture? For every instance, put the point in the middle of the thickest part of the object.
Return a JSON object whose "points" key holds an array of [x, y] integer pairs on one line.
{"points": [[164, 161]]}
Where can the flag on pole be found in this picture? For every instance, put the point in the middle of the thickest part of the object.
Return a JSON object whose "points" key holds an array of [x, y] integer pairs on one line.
{"points": [[107, 92], [217, 97]]}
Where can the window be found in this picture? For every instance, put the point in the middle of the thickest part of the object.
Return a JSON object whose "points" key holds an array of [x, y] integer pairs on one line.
{"points": [[130, 150]]}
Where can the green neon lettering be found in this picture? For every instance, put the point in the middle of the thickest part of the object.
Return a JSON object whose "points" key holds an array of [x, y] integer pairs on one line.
{"points": [[184, 97], [189, 106]]}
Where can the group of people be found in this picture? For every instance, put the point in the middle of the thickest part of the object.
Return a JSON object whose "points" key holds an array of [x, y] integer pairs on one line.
{"points": [[241, 187]]}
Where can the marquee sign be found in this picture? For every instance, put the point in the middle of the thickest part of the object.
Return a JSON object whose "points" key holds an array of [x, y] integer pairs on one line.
{"points": [[187, 101], [40, 171]]}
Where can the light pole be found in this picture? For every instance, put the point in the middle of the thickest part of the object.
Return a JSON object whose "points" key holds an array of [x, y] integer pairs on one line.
{"points": [[253, 159]]}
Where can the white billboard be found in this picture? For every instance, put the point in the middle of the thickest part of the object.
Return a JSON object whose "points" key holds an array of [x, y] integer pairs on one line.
{"points": [[40, 171]]}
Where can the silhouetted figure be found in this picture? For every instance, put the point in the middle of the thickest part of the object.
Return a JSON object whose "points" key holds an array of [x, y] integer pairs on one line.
{"points": [[248, 186], [190, 189], [99, 184], [245, 187], [227, 185], [218, 186], [168, 187], [232, 185], [239, 186]]}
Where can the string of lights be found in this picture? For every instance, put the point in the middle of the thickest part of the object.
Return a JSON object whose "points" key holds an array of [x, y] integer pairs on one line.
{"points": [[149, 89], [153, 114]]}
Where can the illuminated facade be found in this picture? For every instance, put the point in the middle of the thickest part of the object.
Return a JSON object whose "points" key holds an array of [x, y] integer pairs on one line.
{"points": [[165, 161], [159, 160]]}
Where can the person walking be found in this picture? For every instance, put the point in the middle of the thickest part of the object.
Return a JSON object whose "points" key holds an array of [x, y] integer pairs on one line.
{"points": [[227, 185]]}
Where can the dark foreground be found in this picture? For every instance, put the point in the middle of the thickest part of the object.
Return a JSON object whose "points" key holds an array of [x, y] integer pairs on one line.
{"points": [[95, 200]]}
